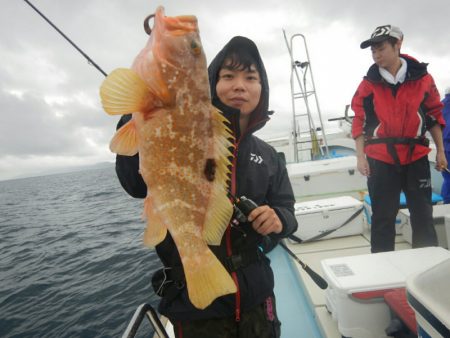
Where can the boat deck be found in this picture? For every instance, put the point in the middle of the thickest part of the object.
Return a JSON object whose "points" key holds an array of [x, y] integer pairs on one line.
{"points": [[307, 302], [311, 254]]}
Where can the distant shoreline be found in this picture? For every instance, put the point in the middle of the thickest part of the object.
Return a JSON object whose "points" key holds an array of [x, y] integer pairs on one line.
{"points": [[65, 170]]}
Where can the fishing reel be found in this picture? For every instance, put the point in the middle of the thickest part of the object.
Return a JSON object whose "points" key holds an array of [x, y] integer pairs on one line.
{"points": [[243, 206]]}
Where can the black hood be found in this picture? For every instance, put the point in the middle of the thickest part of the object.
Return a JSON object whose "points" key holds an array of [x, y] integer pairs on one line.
{"points": [[260, 115]]}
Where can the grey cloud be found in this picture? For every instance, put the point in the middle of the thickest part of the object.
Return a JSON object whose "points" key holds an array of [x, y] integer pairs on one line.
{"points": [[34, 58], [32, 127], [425, 23]]}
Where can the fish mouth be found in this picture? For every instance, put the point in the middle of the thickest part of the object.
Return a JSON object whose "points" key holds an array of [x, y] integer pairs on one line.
{"points": [[180, 24], [177, 25]]}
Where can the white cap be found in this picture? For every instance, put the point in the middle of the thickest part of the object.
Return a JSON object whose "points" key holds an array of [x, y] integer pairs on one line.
{"points": [[381, 33]]}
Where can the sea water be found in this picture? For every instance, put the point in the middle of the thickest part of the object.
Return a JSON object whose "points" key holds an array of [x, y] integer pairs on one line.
{"points": [[72, 262]]}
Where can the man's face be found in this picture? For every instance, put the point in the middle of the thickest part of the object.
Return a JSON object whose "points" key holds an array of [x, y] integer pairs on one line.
{"points": [[240, 89], [386, 55]]}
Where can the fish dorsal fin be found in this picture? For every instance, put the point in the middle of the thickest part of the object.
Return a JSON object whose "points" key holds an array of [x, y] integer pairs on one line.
{"points": [[220, 211], [156, 231], [124, 141], [124, 92]]}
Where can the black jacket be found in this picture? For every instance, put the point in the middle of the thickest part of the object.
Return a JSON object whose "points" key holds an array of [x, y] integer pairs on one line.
{"points": [[259, 174]]}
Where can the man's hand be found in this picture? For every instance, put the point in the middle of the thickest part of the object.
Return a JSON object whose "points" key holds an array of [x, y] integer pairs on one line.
{"points": [[265, 220], [436, 134], [441, 161], [363, 165]]}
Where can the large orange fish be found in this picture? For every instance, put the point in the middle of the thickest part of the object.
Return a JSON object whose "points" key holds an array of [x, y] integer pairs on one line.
{"points": [[183, 146]]}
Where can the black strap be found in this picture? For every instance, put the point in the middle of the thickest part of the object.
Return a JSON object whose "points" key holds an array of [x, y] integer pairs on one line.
{"points": [[399, 140], [392, 141], [242, 259], [326, 233], [295, 238], [169, 281]]}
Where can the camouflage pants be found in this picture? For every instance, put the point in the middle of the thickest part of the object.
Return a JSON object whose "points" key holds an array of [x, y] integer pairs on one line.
{"points": [[259, 322]]}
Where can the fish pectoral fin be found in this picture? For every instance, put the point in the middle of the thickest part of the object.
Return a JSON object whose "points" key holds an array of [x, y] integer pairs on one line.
{"points": [[217, 217], [156, 231], [124, 141], [208, 280], [124, 92]]}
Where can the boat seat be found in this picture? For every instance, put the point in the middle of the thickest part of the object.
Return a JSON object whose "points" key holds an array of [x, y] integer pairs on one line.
{"points": [[371, 295], [397, 301]]}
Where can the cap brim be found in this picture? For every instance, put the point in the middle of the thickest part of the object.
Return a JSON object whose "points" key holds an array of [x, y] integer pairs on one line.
{"points": [[372, 41]]}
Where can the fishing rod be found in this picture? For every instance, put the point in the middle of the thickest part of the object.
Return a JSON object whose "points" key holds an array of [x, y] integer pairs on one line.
{"points": [[320, 282], [90, 61], [243, 207]]}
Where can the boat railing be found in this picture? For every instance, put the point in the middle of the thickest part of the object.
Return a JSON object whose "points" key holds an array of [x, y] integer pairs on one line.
{"points": [[145, 310]]}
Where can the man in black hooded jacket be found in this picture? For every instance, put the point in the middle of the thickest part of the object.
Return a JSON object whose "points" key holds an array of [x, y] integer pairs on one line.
{"points": [[239, 88]]}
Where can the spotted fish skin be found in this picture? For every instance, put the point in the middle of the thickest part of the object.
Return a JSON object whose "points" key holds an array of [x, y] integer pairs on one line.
{"points": [[183, 145]]}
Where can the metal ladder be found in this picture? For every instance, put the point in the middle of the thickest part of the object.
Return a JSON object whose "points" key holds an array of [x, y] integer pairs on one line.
{"points": [[307, 144]]}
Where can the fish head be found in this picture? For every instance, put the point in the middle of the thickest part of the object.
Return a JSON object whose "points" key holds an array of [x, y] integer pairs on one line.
{"points": [[176, 40], [173, 57]]}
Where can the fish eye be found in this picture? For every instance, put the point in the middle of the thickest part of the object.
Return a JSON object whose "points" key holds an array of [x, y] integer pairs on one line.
{"points": [[195, 47]]}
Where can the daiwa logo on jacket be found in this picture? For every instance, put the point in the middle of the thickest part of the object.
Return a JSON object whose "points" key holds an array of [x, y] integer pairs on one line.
{"points": [[256, 158]]}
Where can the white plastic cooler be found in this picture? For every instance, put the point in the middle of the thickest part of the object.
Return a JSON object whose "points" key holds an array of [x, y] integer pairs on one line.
{"points": [[439, 213], [447, 228], [348, 276], [401, 217], [429, 296], [312, 180], [325, 218]]}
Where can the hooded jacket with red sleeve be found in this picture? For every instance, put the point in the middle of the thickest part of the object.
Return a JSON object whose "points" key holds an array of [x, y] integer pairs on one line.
{"points": [[405, 110]]}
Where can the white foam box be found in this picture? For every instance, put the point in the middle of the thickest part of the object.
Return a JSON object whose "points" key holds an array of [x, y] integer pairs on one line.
{"points": [[352, 276], [400, 220], [324, 218], [429, 297], [312, 180], [439, 213], [367, 217]]}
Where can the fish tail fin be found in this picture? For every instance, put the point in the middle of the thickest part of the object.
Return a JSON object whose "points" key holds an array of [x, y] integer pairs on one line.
{"points": [[124, 92], [208, 281], [124, 141], [155, 231], [218, 216]]}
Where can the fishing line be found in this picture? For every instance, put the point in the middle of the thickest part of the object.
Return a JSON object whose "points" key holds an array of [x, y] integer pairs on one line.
{"points": [[90, 61]]}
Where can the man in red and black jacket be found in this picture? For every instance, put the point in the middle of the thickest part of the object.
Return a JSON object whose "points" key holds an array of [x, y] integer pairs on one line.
{"points": [[396, 103]]}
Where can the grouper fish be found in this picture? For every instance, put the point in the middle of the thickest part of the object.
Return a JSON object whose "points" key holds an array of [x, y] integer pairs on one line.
{"points": [[184, 148]]}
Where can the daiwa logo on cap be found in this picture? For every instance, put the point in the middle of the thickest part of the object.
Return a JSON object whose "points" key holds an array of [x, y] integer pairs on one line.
{"points": [[387, 30], [381, 33], [382, 30]]}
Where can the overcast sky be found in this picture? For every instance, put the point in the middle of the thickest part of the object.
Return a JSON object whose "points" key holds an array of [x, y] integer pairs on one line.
{"points": [[50, 109]]}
